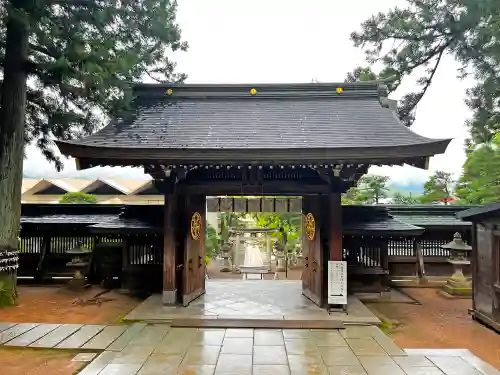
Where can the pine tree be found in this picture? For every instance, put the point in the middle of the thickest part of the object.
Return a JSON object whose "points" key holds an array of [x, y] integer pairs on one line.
{"points": [[79, 57]]}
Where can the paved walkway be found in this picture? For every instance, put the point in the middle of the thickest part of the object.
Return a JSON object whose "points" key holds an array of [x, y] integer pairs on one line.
{"points": [[156, 349], [250, 299]]}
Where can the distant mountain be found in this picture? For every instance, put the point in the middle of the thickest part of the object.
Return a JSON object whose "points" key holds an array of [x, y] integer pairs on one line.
{"points": [[406, 189]]}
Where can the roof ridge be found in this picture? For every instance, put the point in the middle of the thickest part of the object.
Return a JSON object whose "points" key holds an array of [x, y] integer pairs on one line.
{"points": [[313, 90]]}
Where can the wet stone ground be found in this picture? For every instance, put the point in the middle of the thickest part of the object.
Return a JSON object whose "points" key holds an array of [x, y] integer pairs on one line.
{"points": [[159, 349]]}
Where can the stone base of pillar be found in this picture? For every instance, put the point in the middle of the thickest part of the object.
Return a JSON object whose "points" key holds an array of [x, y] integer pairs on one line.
{"points": [[458, 288], [281, 264], [169, 297], [226, 265]]}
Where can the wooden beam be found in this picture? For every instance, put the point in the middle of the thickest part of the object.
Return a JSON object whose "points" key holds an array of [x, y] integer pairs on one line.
{"points": [[267, 188]]}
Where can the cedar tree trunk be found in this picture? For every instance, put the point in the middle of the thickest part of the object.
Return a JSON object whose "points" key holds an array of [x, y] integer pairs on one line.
{"points": [[12, 118]]}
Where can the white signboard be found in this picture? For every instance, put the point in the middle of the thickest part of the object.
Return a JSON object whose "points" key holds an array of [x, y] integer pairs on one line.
{"points": [[337, 282]]}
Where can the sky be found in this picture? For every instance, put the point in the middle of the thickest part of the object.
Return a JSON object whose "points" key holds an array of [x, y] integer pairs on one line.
{"points": [[280, 41]]}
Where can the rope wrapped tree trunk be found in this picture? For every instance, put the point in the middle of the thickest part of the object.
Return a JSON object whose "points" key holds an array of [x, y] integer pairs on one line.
{"points": [[9, 263], [12, 124]]}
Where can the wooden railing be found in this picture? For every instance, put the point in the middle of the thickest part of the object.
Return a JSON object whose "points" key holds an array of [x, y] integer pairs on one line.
{"points": [[42, 257]]}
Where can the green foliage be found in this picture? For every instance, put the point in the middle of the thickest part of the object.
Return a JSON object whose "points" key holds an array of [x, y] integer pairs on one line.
{"points": [[290, 222], [438, 188], [416, 37], [78, 198], [480, 179], [212, 246], [353, 196], [229, 220], [369, 190], [84, 54], [372, 188], [409, 200]]}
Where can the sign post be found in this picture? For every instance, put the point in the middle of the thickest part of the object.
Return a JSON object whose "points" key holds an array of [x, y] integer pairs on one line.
{"points": [[337, 284]]}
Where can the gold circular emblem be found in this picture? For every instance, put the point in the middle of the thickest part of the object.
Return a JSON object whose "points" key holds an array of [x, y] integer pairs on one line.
{"points": [[196, 226], [253, 91], [310, 226], [170, 92], [339, 90]]}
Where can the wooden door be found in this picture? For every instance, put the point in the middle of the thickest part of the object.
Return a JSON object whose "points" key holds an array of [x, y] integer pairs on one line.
{"points": [[483, 282], [312, 271], [496, 285], [194, 250]]}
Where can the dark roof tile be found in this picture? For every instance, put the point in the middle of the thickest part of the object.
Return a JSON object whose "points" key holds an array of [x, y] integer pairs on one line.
{"points": [[279, 117]]}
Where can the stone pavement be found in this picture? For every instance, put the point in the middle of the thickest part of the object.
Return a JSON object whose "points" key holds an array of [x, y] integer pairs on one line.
{"points": [[154, 349], [247, 299]]}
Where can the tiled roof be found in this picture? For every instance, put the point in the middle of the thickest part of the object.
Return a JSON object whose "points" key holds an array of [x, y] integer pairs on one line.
{"points": [[375, 220], [480, 213], [119, 223], [67, 219], [127, 187], [278, 117], [429, 220], [388, 225], [430, 216]]}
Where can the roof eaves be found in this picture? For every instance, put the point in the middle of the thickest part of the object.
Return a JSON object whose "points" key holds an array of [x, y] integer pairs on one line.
{"points": [[152, 154], [98, 183], [116, 186], [473, 214], [143, 187], [44, 184]]}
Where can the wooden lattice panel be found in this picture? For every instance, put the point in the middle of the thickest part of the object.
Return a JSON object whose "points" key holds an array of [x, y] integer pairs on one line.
{"points": [[253, 205], [226, 204], [268, 205]]}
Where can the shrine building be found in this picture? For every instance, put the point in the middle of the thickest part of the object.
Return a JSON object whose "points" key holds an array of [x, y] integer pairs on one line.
{"points": [[313, 140]]}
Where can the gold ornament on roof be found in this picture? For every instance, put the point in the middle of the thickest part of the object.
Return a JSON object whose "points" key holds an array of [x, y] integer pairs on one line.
{"points": [[196, 226], [339, 90], [310, 226], [170, 92], [253, 91]]}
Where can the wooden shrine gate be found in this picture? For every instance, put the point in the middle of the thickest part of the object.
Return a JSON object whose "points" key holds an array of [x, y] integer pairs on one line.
{"points": [[312, 250], [185, 223], [194, 250], [184, 249]]}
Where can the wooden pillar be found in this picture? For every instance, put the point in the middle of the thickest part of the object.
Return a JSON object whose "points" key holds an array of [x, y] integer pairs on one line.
{"points": [[335, 222], [169, 295]]}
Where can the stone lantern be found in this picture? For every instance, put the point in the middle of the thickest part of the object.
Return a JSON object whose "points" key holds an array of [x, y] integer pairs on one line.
{"points": [[279, 253], [225, 254], [458, 284], [80, 262]]}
